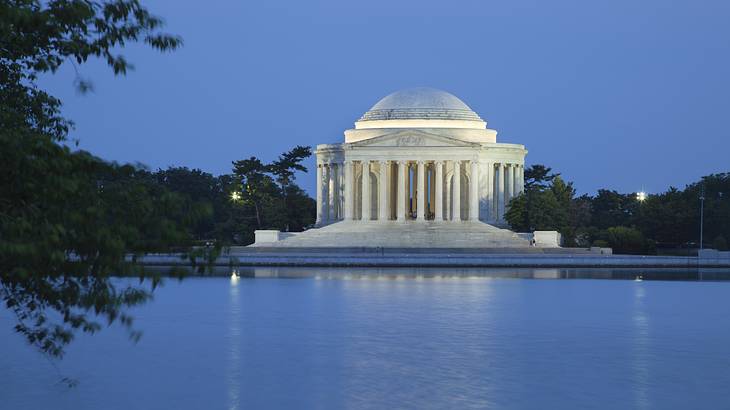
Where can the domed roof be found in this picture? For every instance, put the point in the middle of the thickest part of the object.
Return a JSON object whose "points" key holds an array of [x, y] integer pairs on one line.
{"points": [[421, 104]]}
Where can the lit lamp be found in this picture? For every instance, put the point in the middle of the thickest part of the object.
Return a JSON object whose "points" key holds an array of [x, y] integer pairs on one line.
{"points": [[235, 196], [641, 196]]}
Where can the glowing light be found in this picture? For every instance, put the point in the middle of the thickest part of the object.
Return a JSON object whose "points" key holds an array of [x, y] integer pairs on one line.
{"points": [[641, 196], [235, 196]]}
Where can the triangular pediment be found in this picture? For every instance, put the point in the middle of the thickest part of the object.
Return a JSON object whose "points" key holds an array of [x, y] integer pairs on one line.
{"points": [[412, 138]]}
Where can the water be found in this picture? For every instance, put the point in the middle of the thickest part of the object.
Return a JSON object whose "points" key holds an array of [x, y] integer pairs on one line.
{"points": [[463, 340]]}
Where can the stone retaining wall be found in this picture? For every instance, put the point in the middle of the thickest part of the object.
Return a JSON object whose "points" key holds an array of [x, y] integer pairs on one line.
{"points": [[442, 258]]}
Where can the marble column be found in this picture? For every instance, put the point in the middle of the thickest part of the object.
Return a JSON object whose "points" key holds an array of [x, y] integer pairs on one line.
{"points": [[332, 192], [383, 192], [490, 192], [522, 178], [325, 193], [474, 192], [366, 190], [456, 193], [341, 191], [439, 192], [515, 180], [421, 201], [401, 205], [430, 191], [500, 192], [319, 194], [349, 191], [508, 176]]}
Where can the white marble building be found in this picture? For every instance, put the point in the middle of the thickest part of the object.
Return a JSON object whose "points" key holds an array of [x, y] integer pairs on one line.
{"points": [[419, 170], [418, 155]]}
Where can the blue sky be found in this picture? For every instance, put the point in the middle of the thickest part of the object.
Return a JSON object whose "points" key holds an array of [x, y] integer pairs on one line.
{"points": [[626, 95]]}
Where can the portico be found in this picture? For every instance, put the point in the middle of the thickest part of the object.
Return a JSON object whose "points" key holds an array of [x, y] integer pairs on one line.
{"points": [[415, 190]]}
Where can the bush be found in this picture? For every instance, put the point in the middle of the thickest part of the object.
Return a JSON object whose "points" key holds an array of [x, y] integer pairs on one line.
{"points": [[626, 240], [720, 243]]}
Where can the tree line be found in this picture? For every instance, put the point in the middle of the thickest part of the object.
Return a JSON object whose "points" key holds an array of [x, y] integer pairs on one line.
{"points": [[665, 222], [255, 195]]}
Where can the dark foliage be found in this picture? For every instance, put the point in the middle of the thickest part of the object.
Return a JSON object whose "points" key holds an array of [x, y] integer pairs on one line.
{"points": [[67, 219], [668, 220], [255, 196]]}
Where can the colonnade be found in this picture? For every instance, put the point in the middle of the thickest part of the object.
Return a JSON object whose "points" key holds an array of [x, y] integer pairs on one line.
{"points": [[508, 181], [420, 190]]}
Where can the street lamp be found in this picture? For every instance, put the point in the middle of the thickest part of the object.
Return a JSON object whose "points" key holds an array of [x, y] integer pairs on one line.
{"points": [[702, 213], [641, 196], [235, 196]]}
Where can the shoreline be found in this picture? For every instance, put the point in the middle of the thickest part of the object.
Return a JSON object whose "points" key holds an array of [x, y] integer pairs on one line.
{"points": [[439, 258]]}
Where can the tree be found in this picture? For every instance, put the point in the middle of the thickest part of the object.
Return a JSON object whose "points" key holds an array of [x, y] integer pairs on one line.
{"points": [[625, 240], [545, 203], [517, 215], [666, 218], [270, 190], [720, 243], [284, 167], [68, 219], [202, 189], [717, 207], [538, 176], [283, 170], [612, 209], [257, 188]]}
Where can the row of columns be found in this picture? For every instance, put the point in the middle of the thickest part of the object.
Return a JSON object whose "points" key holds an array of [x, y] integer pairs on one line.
{"points": [[509, 182], [402, 197], [330, 185], [335, 194], [336, 190]]}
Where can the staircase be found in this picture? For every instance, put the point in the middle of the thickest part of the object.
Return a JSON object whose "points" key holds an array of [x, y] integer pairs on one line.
{"points": [[411, 234]]}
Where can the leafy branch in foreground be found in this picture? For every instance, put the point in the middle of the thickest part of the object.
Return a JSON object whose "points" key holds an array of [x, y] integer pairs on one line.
{"points": [[68, 219]]}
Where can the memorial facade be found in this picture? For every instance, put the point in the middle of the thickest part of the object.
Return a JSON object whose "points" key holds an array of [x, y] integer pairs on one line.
{"points": [[420, 169], [418, 155]]}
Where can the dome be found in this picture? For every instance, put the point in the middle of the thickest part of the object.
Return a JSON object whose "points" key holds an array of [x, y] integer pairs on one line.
{"points": [[420, 104]]}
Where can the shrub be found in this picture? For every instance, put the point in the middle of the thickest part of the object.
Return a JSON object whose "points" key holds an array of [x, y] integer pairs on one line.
{"points": [[720, 243], [626, 240]]}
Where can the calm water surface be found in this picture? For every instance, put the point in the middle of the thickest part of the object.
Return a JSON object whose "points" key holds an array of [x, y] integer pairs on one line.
{"points": [[329, 339]]}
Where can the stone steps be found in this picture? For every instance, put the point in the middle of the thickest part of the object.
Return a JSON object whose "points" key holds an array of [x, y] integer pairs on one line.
{"points": [[404, 235]]}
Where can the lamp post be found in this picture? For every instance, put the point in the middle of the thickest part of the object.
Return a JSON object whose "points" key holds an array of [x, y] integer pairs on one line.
{"points": [[641, 196], [702, 213]]}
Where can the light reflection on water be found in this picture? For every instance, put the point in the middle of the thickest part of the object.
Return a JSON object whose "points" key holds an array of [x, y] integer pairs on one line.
{"points": [[641, 348], [436, 273], [234, 335], [394, 338]]}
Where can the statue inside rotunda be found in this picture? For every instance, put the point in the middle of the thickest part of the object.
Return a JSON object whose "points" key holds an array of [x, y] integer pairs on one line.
{"points": [[420, 168]]}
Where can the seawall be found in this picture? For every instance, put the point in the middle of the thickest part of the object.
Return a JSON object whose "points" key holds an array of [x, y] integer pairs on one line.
{"points": [[441, 257]]}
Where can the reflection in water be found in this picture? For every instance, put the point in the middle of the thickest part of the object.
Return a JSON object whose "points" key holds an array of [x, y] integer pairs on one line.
{"points": [[234, 350], [368, 272], [640, 347], [402, 273], [396, 339], [384, 342]]}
